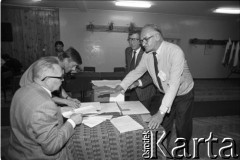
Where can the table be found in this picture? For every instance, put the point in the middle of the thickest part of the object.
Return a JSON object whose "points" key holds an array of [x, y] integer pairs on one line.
{"points": [[104, 142], [81, 82]]}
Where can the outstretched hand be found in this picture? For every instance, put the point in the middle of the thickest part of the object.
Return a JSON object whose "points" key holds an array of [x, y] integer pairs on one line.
{"points": [[109, 90]]}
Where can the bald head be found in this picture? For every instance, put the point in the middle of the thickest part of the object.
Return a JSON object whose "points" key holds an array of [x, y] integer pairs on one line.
{"points": [[48, 73], [151, 37]]}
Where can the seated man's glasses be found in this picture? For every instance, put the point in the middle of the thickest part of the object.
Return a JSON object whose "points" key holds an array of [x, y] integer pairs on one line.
{"points": [[61, 78], [146, 39]]}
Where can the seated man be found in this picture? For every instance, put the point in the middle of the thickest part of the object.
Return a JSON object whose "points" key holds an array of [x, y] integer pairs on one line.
{"points": [[59, 47], [37, 128], [11, 64], [68, 61]]}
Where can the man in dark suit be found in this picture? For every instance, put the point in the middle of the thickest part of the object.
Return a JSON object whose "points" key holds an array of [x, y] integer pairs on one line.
{"points": [[37, 128], [143, 89]]}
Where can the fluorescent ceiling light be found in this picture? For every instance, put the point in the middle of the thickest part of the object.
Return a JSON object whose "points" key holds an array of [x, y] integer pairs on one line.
{"points": [[139, 4], [227, 10]]}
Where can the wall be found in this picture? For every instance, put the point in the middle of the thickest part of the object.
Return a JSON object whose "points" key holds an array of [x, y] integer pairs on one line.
{"points": [[106, 50], [34, 32]]}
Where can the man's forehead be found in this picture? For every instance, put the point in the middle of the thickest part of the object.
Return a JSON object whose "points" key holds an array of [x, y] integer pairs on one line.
{"points": [[147, 32]]}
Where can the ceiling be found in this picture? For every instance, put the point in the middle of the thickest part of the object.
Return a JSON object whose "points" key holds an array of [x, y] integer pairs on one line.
{"points": [[191, 8]]}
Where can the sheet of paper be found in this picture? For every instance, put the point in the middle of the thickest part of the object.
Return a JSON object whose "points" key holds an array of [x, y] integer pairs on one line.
{"points": [[132, 107], [117, 97], [146, 117], [125, 124], [109, 83], [92, 121], [95, 104], [109, 107], [83, 110]]}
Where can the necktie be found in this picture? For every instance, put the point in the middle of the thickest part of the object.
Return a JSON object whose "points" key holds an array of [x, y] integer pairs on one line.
{"points": [[132, 64], [156, 70]]}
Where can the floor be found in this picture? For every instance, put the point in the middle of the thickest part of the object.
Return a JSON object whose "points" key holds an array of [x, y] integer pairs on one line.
{"points": [[216, 111]]}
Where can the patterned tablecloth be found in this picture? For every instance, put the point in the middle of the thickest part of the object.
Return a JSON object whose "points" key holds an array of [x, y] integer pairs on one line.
{"points": [[104, 142]]}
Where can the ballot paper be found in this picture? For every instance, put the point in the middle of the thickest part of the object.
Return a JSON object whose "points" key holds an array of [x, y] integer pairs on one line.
{"points": [[125, 124], [109, 107], [108, 83], [87, 110], [132, 107], [92, 121], [117, 97], [95, 104]]}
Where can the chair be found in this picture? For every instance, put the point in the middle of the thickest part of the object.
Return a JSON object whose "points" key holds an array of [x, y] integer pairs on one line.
{"points": [[89, 69], [119, 69]]}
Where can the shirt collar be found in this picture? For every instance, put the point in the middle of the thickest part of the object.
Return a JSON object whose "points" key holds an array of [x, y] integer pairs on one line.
{"points": [[49, 92], [159, 48], [138, 50]]}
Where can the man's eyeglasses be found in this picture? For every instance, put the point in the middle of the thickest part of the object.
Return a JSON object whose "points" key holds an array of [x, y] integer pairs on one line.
{"points": [[133, 39], [146, 39], [61, 78]]}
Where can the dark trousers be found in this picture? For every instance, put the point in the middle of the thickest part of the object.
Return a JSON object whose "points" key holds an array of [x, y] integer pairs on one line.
{"points": [[181, 111]]}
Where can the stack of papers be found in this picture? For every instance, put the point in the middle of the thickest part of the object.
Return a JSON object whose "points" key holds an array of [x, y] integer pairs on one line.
{"points": [[105, 87], [95, 120], [109, 107], [108, 83], [125, 124], [86, 110], [132, 107]]}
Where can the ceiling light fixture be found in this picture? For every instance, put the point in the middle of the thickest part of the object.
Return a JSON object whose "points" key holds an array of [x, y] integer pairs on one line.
{"points": [[227, 10], [138, 4]]}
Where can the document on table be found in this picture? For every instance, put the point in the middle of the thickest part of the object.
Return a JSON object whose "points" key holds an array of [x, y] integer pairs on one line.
{"points": [[92, 121], [108, 83], [109, 107], [132, 107], [117, 97], [125, 124], [86, 110], [95, 104]]}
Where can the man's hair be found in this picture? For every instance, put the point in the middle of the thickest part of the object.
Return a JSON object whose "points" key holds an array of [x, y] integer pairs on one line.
{"points": [[72, 54], [134, 32], [154, 27], [42, 65], [59, 43], [5, 57]]}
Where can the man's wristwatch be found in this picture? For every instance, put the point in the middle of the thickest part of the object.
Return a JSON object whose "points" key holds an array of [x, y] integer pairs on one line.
{"points": [[162, 113]]}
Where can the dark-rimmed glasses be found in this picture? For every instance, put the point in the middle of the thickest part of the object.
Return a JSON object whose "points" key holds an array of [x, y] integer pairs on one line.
{"points": [[61, 78], [146, 39]]}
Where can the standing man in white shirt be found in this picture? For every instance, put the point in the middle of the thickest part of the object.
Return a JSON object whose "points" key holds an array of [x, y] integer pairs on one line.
{"points": [[142, 89], [168, 68]]}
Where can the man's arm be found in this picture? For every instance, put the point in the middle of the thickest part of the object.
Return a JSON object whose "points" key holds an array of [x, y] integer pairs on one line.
{"points": [[135, 74], [67, 100], [47, 130]]}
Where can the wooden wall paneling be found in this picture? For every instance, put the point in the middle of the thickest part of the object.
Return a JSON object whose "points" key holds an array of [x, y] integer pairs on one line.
{"points": [[34, 29]]}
